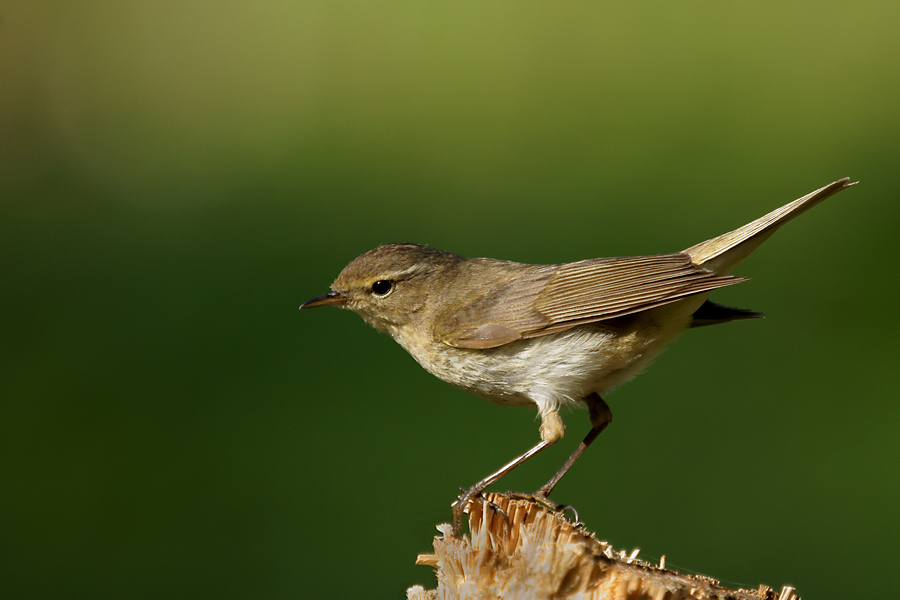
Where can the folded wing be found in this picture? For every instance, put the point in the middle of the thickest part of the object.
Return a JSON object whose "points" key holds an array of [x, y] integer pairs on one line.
{"points": [[552, 298]]}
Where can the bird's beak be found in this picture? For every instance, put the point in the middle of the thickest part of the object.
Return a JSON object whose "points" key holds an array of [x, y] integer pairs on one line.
{"points": [[324, 300]]}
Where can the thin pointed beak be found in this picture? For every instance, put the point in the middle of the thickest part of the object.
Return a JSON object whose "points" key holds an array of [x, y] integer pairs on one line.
{"points": [[324, 300]]}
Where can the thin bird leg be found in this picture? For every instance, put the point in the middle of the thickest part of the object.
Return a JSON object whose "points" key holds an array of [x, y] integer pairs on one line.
{"points": [[479, 487], [601, 416]]}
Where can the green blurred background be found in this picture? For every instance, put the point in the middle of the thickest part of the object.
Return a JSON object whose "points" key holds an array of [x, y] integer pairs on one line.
{"points": [[176, 178]]}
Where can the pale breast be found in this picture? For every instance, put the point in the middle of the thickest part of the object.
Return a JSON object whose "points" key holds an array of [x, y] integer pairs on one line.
{"points": [[550, 371]]}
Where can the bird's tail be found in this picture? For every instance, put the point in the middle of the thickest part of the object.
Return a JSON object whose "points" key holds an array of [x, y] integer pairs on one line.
{"points": [[723, 253]]}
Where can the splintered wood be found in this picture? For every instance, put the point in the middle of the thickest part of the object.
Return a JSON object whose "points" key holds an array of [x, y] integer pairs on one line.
{"points": [[519, 550]]}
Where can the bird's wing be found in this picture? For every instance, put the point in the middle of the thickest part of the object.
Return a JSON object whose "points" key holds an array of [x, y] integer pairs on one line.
{"points": [[553, 298]]}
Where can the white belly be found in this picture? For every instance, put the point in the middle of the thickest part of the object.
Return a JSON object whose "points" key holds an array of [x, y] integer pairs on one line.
{"points": [[553, 370]]}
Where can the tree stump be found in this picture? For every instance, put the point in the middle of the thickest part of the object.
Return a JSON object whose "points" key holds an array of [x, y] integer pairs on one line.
{"points": [[520, 550]]}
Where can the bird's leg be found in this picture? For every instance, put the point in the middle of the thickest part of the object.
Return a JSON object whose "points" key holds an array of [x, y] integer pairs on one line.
{"points": [[479, 487], [601, 416], [552, 430]]}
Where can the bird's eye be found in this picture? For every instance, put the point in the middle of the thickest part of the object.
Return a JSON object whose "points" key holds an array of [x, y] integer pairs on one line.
{"points": [[382, 287]]}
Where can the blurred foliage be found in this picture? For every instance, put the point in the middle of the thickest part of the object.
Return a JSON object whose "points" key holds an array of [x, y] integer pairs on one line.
{"points": [[177, 177]]}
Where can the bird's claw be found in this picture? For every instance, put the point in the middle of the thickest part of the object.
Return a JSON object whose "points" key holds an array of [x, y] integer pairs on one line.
{"points": [[463, 501], [541, 498]]}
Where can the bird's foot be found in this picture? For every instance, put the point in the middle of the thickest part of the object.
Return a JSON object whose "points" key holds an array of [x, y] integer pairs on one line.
{"points": [[541, 498], [472, 494]]}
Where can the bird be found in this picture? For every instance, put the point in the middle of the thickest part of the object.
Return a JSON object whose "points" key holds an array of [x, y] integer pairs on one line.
{"points": [[547, 336]]}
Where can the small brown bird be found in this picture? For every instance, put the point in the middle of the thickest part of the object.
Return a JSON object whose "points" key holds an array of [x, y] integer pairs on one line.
{"points": [[548, 336]]}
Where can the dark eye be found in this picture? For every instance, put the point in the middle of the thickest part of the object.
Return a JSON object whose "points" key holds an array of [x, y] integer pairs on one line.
{"points": [[382, 287]]}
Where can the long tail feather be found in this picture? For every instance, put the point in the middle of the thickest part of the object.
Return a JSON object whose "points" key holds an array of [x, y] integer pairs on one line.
{"points": [[723, 253]]}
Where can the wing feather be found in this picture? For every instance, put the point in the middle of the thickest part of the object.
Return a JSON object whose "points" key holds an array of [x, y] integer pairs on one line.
{"points": [[545, 299]]}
